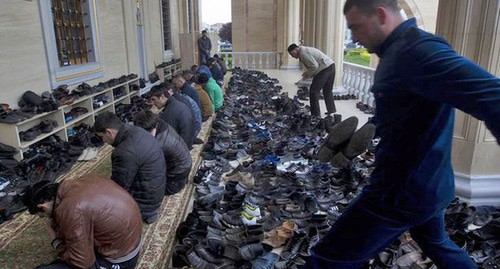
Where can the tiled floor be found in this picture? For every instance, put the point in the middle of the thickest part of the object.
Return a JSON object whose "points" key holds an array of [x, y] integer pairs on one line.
{"points": [[288, 78]]}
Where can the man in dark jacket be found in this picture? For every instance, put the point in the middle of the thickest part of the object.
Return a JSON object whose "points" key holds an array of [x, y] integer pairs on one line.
{"points": [[177, 155], [195, 111], [138, 164], [216, 71], [186, 88], [174, 112], [93, 222], [221, 63], [204, 47], [418, 82]]}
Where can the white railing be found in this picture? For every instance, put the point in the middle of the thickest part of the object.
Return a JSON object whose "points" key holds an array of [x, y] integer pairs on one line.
{"points": [[357, 80], [252, 60]]}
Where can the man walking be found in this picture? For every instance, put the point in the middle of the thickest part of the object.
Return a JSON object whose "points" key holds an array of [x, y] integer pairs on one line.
{"points": [[321, 68], [419, 81]]}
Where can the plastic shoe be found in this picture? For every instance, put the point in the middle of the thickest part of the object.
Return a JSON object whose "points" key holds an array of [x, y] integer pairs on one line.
{"points": [[248, 219], [252, 210]]}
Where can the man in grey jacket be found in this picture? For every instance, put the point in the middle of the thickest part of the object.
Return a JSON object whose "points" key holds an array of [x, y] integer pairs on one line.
{"points": [[321, 68]]}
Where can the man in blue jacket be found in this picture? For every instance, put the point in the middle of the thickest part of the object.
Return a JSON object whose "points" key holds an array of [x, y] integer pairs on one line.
{"points": [[418, 83]]}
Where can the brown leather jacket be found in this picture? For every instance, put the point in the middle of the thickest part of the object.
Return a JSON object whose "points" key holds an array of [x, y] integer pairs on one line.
{"points": [[206, 104], [93, 213]]}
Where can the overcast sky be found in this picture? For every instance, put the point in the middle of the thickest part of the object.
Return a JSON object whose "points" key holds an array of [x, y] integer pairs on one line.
{"points": [[214, 11]]}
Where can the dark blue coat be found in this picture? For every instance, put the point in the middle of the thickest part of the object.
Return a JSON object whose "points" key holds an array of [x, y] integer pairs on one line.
{"points": [[419, 81]]}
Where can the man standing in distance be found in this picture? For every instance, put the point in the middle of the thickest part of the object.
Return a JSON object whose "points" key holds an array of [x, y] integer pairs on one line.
{"points": [[321, 68], [204, 47]]}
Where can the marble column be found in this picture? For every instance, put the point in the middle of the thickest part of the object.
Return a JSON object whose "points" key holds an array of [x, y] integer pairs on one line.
{"points": [[323, 28], [473, 29], [292, 32]]}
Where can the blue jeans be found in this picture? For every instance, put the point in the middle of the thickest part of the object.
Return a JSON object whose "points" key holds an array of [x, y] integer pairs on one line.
{"points": [[204, 57], [100, 263], [366, 228]]}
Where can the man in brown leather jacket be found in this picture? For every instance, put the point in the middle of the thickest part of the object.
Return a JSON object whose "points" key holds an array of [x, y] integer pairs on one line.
{"points": [[94, 223]]}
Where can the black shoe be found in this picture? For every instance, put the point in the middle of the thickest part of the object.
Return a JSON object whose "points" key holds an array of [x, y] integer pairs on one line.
{"points": [[198, 141]]}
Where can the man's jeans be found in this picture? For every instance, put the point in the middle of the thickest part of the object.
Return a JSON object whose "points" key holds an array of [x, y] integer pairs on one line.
{"points": [[100, 263], [323, 80], [204, 57], [366, 228]]}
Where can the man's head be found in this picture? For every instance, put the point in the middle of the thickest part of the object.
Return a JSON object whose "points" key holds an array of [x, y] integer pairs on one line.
{"points": [[107, 126], [210, 61], [147, 120], [188, 75], [178, 81], [204, 33], [40, 197], [159, 94], [194, 68], [294, 50], [202, 79], [371, 21]]}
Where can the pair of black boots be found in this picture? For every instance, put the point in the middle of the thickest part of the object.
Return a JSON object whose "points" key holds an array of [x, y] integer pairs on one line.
{"points": [[344, 142]]}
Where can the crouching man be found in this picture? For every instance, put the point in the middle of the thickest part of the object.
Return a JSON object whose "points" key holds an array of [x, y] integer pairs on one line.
{"points": [[93, 222], [176, 152]]}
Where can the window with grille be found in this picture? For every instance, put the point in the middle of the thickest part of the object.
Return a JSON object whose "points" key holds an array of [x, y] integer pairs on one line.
{"points": [[167, 32], [190, 15], [71, 40], [73, 32]]}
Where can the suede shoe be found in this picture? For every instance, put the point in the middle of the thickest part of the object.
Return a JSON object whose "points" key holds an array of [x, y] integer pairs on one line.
{"points": [[359, 141], [341, 133]]}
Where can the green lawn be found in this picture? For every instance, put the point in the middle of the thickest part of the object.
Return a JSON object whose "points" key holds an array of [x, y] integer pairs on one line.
{"points": [[356, 59]]}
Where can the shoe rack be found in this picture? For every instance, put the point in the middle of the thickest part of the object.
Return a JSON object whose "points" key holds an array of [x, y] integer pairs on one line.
{"points": [[168, 71], [118, 94]]}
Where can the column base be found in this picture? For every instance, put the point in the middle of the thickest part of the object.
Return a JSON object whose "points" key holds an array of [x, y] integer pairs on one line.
{"points": [[478, 190]]}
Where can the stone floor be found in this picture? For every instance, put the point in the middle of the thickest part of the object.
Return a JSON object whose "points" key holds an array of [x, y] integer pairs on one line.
{"points": [[288, 78]]}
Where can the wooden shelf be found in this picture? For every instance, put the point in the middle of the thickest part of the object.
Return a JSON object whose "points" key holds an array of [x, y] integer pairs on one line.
{"points": [[10, 132]]}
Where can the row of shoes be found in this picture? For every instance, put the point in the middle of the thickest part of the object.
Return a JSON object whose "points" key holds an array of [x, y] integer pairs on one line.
{"points": [[100, 100], [75, 113], [345, 97], [171, 62], [44, 127], [31, 103], [127, 112], [8, 115], [119, 92]]}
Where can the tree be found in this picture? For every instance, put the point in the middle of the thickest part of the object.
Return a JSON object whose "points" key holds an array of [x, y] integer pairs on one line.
{"points": [[225, 33]]}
